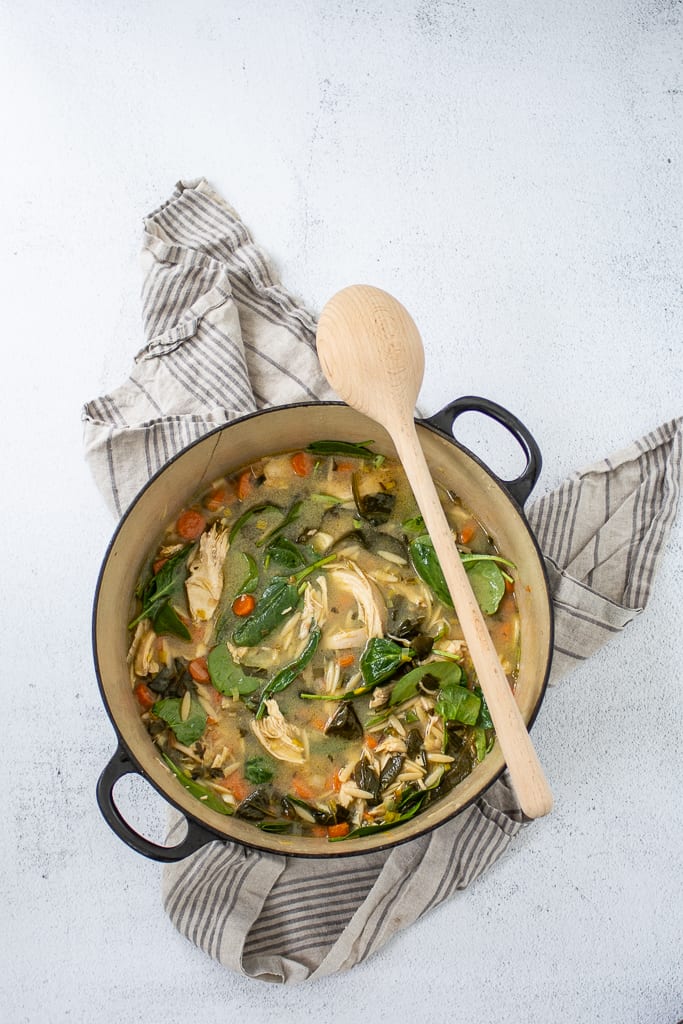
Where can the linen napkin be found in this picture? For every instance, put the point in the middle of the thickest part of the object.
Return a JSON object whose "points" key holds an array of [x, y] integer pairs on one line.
{"points": [[223, 339]]}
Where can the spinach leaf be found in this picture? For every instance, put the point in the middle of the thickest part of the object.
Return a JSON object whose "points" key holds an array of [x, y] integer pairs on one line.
{"points": [[357, 451], [288, 674], [167, 620], [227, 677], [488, 585], [484, 721], [381, 659], [185, 732], [161, 585], [284, 552], [375, 508], [415, 524], [444, 672], [259, 770], [291, 514], [203, 793], [280, 597], [486, 578], [428, 567], [251, 579], [249, 514], [458, 704]]}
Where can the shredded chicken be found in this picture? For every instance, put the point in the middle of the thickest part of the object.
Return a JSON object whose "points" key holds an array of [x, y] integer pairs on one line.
{"points": [[315, 608], [371, 606], [280, 738], [204, 585], [143, 654]]}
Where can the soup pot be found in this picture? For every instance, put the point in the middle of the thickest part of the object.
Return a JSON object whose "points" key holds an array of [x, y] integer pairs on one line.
{"points": [[496, 503]]}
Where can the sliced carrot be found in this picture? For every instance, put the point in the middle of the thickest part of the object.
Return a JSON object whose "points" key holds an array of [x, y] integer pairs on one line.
{"points": [[302, 789], [238, 786], [190, 524], [371, 741], [467, 533], [146, 698], [318, 830], [335, 782], [159, 564], [509, 586], [343, 467], [199, 670], [244, 604], [336, 831], [218, 499], [344, 660], [244, 485], [302, 463]]}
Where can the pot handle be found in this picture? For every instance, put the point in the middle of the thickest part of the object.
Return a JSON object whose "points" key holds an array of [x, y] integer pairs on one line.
{"points": [[121, 765], [521, 487]]}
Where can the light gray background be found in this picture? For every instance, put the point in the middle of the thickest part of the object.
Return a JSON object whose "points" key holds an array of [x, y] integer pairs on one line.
{"points": [[512, 172]]}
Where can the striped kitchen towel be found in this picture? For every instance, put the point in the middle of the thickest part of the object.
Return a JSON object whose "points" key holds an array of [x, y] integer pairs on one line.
{"points": [[223, 339]]}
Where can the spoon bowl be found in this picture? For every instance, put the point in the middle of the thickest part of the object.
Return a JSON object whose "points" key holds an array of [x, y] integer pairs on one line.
{"points": [[372, 355]]}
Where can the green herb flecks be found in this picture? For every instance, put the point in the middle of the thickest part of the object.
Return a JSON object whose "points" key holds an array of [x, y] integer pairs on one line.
{"points": [[259, 770]]}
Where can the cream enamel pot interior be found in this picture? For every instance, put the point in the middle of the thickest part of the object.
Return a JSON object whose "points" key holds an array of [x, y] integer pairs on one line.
{"points": [[496, 503]]}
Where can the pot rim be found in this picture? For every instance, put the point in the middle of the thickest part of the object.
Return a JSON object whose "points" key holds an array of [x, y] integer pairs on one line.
{"points": [[350, 849]]}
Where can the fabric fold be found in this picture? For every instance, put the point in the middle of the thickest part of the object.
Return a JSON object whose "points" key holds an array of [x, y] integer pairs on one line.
{"points": [[223, 338]]}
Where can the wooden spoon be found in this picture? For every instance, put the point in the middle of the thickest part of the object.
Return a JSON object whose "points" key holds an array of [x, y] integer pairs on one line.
{"points": [[372, 355]]}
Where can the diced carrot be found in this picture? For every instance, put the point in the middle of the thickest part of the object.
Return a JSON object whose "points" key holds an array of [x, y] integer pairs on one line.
{"points": [[371, 741], [238, 786], [301, 788], [199, 670], [335, 782], [319, 723], [244, 604], [318, 830], [336, 831], [302, 463], [190, 524], [218, 499], [467, 533], [343, 467], [146, 698], [244, 485], [211, 721], [159, 564], [344, 660], [509, 586]]}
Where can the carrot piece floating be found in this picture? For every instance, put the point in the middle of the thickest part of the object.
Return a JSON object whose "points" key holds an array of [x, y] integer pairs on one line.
{"points": [[467, 533], [218, 499], [190, 524], [199, 670], [244, 604], [344, 660], [371, 741], [244, 485], [318, 830], [301, 788], [336, 831], [343, 467], [145, 697], [301, 463], [159, 564]]}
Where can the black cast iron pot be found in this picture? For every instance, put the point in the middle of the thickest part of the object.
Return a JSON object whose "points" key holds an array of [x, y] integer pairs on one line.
{"points": [[496, 503]]}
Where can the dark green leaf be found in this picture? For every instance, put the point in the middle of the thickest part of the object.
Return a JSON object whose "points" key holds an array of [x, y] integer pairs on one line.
{"points": [[286, 553], [357, 451], [381, 659], [249, 514], [259, 770], [288, 674], [458, 704], [278, 599], [185, 732], [444, 672], [162, 585], [415, 524], [428, 568], [488, 585], [291, 514], [251, 579], [375, 508], [227, 677], [484, 721], [167, 620], [203, 793]]}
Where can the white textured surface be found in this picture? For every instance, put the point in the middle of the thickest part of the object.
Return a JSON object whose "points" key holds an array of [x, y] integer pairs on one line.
{"points": [[512, 172]]}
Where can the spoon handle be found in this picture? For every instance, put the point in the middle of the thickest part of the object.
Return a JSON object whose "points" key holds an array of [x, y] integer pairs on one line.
{"points": [[527, 776]]}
